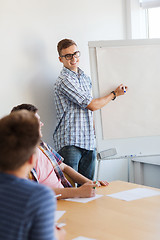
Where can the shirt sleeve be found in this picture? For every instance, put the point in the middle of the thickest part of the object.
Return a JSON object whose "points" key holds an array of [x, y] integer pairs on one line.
{"points": [[74, 92], [59, 158], [42, 208]]}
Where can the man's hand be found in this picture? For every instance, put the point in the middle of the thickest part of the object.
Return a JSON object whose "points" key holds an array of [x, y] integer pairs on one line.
{"points": [[121, 90], [87, 190], [101, 183], [60, 233]]}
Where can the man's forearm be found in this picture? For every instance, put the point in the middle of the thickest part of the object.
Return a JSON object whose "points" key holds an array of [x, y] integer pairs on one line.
{"points": [[66, 192], [85, 191], [75, 176], [98, 103]]}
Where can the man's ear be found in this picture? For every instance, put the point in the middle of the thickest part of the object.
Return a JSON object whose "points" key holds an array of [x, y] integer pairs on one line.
{"points": [[60, 59], [32, 160]]}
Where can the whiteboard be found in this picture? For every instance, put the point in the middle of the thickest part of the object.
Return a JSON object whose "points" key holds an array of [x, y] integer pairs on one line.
{"points": [[131, 123]]}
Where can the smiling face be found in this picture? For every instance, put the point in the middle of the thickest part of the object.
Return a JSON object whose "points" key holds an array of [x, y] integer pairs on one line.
{"points": [[73, 63]]}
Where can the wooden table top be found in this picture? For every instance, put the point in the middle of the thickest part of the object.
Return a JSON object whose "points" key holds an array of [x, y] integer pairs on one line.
{"points": [[107, 218]]}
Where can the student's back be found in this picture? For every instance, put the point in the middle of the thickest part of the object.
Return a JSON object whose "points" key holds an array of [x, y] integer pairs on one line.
{"points": [[26, 209]]}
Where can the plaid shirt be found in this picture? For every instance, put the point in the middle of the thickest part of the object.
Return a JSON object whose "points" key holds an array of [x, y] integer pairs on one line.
{"points": [[75, 121], [55, 160]]}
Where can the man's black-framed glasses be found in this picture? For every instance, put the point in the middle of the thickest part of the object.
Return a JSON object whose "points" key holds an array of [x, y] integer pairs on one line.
{"points": [[69, 56]]}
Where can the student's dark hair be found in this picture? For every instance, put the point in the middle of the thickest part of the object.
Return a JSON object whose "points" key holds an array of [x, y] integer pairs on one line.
{"points": [[25, 106], [19, 137], [63, 44]]}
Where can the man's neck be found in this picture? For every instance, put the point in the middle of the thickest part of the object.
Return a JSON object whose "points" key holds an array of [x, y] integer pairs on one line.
{"points": [[21, 172], [75, 70]]}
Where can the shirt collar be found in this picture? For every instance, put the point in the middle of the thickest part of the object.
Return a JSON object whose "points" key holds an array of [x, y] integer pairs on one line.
{"points": [[72, 73]]}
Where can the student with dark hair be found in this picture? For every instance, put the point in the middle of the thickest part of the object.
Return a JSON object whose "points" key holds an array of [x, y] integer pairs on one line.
{"points": [[74, 136], [25, 106], [49, 169], [26, 208]]}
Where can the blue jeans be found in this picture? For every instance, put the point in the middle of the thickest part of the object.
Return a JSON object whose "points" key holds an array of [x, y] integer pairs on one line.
{"points": [[82, 160]]}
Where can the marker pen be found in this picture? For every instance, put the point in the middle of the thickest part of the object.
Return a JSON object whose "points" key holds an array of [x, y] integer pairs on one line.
{"points": [[124, 89], [95, 183]]}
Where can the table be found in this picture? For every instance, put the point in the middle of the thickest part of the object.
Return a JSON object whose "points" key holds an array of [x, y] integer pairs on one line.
{"points": [[107, 218], [138, 166]]}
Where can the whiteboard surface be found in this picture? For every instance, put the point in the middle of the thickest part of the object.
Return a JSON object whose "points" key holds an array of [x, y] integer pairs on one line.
{"points": [[137, 113], [131, 123]]}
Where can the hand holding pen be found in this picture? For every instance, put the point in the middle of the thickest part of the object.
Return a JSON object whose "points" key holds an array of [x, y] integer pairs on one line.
{"points": [[121, 90], [60, 233], [87, 190]]}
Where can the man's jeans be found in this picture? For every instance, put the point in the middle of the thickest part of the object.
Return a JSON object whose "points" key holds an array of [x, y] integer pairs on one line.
{"points": [[82, 160]]}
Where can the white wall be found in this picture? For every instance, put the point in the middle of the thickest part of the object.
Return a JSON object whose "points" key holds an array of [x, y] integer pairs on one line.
{"points": [[30, 30]]}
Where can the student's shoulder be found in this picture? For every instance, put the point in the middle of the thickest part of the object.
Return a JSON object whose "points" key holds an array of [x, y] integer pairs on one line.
{"points": [[44, 192], [35, 188], [65, 75], [39, 198], [61, 78]]}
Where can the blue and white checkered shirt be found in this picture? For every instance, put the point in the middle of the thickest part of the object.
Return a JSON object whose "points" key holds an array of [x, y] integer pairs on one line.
{"points": [[75, 121]]}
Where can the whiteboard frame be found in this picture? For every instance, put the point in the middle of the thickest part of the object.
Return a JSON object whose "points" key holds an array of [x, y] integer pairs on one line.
{"points": [[102, 144]]}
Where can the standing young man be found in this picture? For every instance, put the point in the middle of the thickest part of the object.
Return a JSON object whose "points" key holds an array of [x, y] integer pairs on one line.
{"points": [[74, 134], [26, 208]]}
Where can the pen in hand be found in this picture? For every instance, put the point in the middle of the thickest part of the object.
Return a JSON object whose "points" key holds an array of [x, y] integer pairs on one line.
{"points": [[95, 183]]}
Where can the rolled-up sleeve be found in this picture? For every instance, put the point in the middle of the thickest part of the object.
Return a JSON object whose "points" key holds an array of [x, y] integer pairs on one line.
{"points": [[75, 93]]}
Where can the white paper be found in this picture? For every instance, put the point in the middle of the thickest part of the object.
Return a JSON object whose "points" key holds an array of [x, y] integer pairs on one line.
{"points": [[83, 238], [58, 215], [83, 200], [133, 194]]}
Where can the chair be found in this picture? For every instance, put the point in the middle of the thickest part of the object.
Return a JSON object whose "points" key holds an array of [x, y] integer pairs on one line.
{"points": [[70, 180]]}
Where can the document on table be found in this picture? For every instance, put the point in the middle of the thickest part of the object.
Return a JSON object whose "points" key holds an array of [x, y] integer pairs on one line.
{"points": [[133, 194], [83, 200], [83, 238], [58, 215]]}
